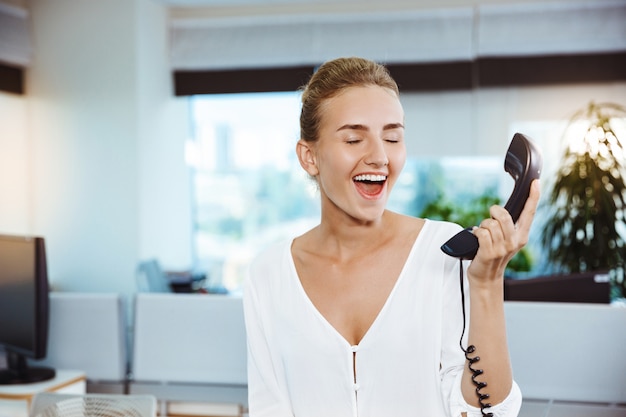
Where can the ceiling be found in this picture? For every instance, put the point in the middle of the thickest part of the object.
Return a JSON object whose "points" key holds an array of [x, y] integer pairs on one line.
{"points": [[251, 7], [227, 3], [363, 3]]}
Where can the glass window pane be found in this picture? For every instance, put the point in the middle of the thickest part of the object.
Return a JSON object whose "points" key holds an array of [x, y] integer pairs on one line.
{"points": [[250, 191], [249, 188]]}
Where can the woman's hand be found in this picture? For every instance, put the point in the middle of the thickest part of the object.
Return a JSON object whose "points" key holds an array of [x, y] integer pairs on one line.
{"points": [[500, 239]]}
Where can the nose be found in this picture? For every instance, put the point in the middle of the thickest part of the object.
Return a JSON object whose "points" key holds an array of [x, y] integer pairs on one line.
{"points": [[377, 155]]}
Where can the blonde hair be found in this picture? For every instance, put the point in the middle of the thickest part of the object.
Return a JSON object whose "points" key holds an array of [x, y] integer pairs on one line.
{"points": [[332, 78]]}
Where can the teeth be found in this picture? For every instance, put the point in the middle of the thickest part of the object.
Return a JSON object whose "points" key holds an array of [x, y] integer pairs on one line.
{"points": [[369, 177]]}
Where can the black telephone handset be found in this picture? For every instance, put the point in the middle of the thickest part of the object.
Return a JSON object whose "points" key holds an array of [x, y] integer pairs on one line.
{"points": [[523, 162]]}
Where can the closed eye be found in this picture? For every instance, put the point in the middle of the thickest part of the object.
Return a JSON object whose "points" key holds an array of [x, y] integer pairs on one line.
{"points": [[393, 139]]}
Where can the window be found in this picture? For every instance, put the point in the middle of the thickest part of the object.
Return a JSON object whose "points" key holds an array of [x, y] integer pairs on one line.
{"points": [[250, 191], [248, 187]]}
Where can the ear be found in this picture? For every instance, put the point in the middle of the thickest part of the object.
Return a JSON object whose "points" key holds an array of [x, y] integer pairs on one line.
{"points": [[306, 156]]}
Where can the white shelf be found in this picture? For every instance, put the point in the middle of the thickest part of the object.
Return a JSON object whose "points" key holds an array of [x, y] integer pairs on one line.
{"points": [[15, 399]]}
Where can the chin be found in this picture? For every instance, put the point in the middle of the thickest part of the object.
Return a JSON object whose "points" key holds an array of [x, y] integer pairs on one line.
{"points": [[371, 214]]}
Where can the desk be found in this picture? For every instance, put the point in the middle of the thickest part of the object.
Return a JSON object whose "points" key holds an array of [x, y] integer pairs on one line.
{"points": [[15, 399]]}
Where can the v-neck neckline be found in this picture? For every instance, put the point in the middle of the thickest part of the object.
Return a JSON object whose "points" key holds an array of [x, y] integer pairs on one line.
{"points": [[381, 312]]}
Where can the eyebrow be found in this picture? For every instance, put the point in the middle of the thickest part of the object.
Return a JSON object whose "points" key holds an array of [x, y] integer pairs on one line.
{"points": [[389, 126]]}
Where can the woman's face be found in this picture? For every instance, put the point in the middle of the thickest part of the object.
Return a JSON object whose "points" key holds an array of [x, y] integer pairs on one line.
{"points": [[360, 151]]}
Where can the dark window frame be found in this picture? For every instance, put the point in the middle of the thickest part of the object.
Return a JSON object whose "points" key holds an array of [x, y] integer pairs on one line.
{"points": [[435, 76], [411, 77]]}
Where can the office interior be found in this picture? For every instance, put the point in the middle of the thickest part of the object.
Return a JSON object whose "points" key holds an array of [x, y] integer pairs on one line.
{"points": [[92, 144]]}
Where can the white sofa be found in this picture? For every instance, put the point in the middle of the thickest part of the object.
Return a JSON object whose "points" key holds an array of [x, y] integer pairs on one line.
{"points": [[87, 332], [569, 357], [192, 347], [559, 351], [189, 347]]}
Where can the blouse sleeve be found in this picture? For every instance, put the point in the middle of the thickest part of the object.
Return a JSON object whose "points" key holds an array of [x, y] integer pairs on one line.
{"points": [[453, 358], [267, 392]]}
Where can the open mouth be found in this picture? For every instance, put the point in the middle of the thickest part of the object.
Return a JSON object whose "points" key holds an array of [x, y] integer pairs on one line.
{"points": [[370, 184]]}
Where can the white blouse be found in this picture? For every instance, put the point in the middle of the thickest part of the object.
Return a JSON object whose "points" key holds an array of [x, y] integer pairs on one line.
{"points": [[409, 363]]}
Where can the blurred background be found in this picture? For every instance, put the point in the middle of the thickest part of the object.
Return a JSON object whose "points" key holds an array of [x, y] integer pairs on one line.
{"points": [[165, 129]]}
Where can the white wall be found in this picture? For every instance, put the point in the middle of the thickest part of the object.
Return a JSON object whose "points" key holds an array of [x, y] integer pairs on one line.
{"points": [[92, 156], [108, 184], [15, 195], [164, 182], [83, 91]]}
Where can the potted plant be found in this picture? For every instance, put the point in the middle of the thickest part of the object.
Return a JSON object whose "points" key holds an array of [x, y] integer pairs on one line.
{"points": [[585, 226]]}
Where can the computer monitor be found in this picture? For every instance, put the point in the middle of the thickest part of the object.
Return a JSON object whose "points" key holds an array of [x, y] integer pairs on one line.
{"points": [[24, 308], [582, 287]]}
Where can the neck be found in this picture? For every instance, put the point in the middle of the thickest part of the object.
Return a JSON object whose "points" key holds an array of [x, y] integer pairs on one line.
{"points": [[347, 238]]}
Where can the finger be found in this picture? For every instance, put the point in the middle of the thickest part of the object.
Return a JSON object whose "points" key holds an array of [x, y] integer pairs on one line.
{"points": [[495, 229], [485, 243], [490, 237], [530, 208], [510, 239], [500, 214]]}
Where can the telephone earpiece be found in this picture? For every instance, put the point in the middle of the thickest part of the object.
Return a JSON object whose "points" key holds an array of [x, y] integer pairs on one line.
{"points": [[523, 162]]}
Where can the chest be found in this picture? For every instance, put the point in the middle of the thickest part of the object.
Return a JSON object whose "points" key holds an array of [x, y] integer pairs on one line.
{"points": [[350, 295]]}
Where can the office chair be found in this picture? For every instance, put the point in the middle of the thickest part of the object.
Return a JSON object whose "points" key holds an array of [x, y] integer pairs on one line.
{"points": [[50, 404]]}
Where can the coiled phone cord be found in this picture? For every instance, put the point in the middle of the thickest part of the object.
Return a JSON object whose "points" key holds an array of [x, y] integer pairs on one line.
{"points": [[472, 360]]}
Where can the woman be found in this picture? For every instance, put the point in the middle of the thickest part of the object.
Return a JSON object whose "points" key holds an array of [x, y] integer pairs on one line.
{"points": [[361, 315]]}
